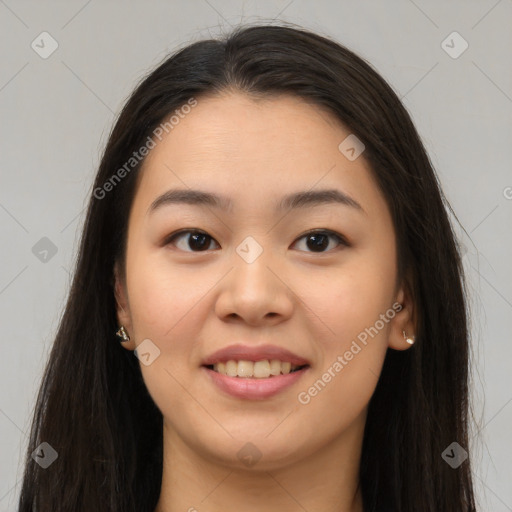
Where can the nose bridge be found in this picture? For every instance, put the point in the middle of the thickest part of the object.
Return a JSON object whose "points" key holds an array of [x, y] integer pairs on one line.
{"points": [[252, 290], [251, 263], [251, 273]]}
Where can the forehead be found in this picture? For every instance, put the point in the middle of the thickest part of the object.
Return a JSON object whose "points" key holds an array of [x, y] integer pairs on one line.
{"points": [[231, 124], [254, 151]]}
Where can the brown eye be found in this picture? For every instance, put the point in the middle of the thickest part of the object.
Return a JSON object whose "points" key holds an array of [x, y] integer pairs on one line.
{"points": [[197, 241], [318, 241]]}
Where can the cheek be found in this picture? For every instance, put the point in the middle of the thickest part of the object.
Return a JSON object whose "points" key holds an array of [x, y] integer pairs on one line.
{"points": [[155, 303], [164, 305], [170, 305], [354, 296], [353, 352], [160, 294]]}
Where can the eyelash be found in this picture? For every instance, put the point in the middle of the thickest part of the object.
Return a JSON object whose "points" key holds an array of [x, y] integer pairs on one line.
{"points": [[333, 234]]}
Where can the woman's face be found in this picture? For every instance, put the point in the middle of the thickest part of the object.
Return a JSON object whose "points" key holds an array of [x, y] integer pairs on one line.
{"points": [[257, 278]]}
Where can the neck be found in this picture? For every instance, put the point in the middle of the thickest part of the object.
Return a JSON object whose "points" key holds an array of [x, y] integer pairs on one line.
{"points": [[326, 480]]}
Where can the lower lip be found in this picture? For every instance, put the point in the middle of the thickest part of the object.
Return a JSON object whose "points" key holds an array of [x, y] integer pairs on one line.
{"points": [[253, 388]]}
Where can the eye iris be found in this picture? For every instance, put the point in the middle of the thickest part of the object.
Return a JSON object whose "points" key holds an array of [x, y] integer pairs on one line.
{"points": [[319, 241], [202, 238]]}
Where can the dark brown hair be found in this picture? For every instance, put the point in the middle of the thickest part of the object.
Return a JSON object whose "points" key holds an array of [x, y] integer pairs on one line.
{"points": [[93, 407]]}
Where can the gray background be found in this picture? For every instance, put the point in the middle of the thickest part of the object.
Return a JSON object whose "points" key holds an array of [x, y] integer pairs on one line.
{"points": [[56, 114]]}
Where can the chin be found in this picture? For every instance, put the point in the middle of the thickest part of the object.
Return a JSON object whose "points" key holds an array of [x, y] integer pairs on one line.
{"points": [[256, 451]]}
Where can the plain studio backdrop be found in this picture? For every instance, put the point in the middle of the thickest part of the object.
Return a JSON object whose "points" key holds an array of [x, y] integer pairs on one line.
{"points": [[67, 68]]}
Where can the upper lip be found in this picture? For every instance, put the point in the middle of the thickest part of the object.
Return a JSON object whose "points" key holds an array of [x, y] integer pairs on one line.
{"points": [[254, 353]]}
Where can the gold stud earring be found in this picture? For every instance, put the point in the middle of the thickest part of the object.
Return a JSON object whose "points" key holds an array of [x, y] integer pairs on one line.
{"points": [[121, 333], [409, 340]]}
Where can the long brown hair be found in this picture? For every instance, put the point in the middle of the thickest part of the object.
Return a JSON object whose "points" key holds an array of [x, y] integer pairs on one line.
{"points": [[93, 407]]}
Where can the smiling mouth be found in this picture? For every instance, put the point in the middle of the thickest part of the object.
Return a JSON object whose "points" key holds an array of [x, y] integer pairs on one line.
{"points": [[255, 369]]}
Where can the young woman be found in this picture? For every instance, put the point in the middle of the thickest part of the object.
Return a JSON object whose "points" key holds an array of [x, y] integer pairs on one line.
{"points": [[266, 234]]}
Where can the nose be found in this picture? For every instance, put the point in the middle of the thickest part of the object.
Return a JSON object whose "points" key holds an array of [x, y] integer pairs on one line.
{"points": [[255, 293]]}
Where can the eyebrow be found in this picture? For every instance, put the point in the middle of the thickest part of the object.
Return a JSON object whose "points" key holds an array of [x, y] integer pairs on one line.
{"points": [[302, 199]]}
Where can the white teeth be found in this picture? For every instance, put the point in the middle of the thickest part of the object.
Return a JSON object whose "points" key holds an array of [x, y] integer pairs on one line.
{"points": [[245, 368], [231, 368], [259, 369], [275, 367]]}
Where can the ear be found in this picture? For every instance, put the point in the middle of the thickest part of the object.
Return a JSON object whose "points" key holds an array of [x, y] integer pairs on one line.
{"points": [[405, 318], [123, 307]]}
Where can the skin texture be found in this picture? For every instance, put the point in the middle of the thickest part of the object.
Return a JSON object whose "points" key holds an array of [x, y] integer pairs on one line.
{"points": [[190, 303]]}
